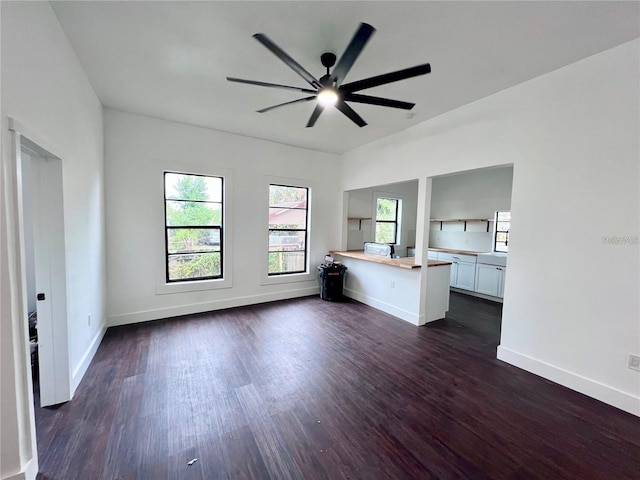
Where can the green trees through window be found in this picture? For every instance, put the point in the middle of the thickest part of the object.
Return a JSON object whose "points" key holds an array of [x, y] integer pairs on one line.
{"points": [[193, 226], [386, 220]]}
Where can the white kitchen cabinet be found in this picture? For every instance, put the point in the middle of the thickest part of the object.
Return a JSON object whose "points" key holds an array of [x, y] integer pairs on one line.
{"points": [[490, 280], [431, 255], [466, 276], [463, 270]]}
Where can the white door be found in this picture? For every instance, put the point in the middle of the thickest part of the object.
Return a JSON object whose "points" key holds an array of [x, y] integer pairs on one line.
{"points": [[44, 188], [488, 279], [466, 276]]}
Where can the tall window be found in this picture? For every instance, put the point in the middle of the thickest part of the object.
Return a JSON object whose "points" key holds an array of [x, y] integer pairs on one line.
{"points": [[193, 226], [387, 220], [503, 222], [288, 228]]}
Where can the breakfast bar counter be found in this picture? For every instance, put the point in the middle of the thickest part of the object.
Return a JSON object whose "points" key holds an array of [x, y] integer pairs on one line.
{"points": [[404, 262], [404, 290]]}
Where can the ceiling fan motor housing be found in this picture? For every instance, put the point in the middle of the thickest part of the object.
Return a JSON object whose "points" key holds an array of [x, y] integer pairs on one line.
{"points": [[328, 59]]}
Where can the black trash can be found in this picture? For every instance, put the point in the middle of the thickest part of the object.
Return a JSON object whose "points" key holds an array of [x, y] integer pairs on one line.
{"points": [[331, 281]]}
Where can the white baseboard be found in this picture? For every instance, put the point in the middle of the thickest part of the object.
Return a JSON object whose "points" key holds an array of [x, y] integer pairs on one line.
{"points": [[405, 315], [81, 369], [612, 396], [157, 314], [478, 295], [29, 472]]}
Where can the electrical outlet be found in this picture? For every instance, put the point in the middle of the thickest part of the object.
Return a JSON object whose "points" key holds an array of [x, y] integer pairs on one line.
{"points": [[634, 362], [466, 241], [393, 284], [89, 320]]}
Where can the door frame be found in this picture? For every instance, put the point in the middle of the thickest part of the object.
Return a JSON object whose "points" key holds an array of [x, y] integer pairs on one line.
{"points": [[56, 363]]}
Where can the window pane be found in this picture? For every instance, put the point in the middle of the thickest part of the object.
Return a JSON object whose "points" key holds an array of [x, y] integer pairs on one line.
{"points": [[286, 262], [503, 226], [183, 240], [192, 187], [286, 241], [386, 209], [182, 267], [385, 232], [501, 247], [283, 196], [287, 218], [182, 214], [501, 237], [504, 216], [288, 210]]}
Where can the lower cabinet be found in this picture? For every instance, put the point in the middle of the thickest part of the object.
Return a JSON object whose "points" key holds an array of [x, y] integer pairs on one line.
{"points": [[466, 276], [490, 280], [463, 270]]}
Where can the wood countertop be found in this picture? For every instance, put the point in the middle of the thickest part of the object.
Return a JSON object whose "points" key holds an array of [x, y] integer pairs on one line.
{"points": [[404, 262], [437, 263], [459, 252]]}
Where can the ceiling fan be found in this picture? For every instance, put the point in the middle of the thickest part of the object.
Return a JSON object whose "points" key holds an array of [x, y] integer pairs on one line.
{"points": [[329, 90]]}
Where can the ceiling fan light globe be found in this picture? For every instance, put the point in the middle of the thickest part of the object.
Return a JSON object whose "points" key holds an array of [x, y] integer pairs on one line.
{"points": [[327, 97]]}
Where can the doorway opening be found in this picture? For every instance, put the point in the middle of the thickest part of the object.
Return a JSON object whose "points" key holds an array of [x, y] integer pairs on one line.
{"points": [[467, 228], [40, 197]]}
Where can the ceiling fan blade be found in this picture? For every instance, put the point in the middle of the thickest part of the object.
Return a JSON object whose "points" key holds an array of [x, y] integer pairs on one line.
{"points": [[299, 100], [349, 112], [282, 55], [272, 85], [386, 78], [314, 115], [358, 42], [383, 102]]}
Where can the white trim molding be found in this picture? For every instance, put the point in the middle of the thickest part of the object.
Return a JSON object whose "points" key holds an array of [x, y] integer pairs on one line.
{"points": [[405, 315], [203, 307], [591, 388]]}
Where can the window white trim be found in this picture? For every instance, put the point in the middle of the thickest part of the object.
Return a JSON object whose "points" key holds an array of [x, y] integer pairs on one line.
{"points": [[161, 285], [310, 274]]}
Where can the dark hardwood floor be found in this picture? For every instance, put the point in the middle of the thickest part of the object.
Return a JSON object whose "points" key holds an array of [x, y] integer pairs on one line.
{"points": [[306, 389]]}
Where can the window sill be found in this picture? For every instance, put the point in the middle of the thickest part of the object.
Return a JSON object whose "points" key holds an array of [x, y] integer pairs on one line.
{"points": [[194, 286], [288, 278]]}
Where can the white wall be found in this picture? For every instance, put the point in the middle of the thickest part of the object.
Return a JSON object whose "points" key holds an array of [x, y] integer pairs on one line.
{"points": [[397, 292], [362, 203], [571, 305], [138, 149], [47, 92], [475, 194]]}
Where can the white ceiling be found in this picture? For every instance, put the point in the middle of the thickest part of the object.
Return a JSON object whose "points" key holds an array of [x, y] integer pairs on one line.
{"points": [[170, 59]]}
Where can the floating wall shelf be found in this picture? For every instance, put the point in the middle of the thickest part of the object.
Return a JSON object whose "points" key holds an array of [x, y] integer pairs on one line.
{"points": [[465, 220]]}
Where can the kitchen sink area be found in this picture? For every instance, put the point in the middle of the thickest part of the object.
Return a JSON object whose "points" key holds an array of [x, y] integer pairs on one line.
{"points": [[495, 258]]}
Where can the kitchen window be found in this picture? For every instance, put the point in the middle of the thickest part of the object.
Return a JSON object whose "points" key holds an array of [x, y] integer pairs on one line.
{"points": [[288, 229], [501, 238], [387, 220], [194, 247]]}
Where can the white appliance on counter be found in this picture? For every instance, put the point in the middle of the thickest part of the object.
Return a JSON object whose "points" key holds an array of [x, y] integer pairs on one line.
{"points": [[379, 249]]}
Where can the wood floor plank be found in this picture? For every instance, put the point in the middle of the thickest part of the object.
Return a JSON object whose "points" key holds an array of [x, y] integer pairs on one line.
{"points": [[306, 389]]}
